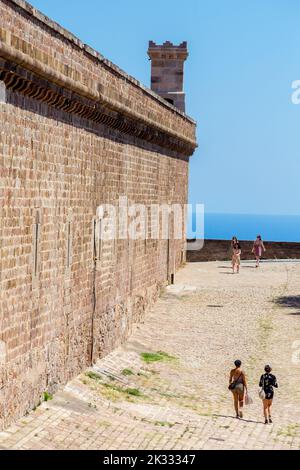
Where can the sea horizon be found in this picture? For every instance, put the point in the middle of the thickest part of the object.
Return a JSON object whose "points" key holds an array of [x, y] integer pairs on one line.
{"points": [[223, 226]]}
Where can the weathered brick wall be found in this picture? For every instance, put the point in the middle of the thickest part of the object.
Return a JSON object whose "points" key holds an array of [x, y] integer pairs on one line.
{"points": [[57, 165]]}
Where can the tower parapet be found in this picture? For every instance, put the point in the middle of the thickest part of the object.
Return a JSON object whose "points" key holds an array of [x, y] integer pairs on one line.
{"points": [[167, 71]]}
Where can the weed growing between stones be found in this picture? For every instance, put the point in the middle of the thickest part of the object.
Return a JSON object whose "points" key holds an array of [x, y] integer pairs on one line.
{"points": [[111, 391], [47, 396], [164, 423], [156, 357], [92, 375], [127, 372]]}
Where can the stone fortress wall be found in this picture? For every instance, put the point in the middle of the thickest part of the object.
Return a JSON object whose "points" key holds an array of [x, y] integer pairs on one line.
{"points": [[75, 132]]}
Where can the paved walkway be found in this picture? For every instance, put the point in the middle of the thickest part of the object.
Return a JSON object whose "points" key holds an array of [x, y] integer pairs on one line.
{"points": [[178, 399]]}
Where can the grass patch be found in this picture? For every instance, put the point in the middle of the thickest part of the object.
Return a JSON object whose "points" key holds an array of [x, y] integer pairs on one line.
{"points": [[169, 395], [106, 424], [134, 391], [112, 391], [117, 391], [128, 391], [47, 396], [92, 375], [116, 388], [156, 357], [163, 423], [127, 372]]}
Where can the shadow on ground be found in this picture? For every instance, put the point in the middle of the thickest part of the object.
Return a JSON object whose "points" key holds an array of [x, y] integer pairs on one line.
{"points": [[234, 418], [289, 301]]}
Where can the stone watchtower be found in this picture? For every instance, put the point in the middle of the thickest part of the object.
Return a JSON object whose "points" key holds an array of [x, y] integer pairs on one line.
{"points": [[167, 63]]}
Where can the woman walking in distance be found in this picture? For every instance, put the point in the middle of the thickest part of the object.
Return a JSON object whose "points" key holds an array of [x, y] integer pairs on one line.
{"points": [[233, 241], [267, 382], [258, 248], [238, 386], [236, 257]]}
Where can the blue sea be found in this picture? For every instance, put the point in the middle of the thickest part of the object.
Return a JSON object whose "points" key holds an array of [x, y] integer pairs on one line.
{"points": [[284, 228]]}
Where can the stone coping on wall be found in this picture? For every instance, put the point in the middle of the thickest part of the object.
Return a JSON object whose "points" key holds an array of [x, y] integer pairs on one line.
{"points": [[95, 54], [20, 80], [180, 126]]}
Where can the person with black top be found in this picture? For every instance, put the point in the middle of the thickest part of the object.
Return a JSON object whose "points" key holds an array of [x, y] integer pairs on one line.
{"points": [[267, 382]]}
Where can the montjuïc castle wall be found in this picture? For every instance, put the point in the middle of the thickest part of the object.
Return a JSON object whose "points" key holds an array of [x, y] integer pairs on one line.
{"points": [[76, 132]]}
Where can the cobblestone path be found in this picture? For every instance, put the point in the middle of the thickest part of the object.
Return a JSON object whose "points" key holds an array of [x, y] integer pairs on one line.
{"points": [[166, 388]]}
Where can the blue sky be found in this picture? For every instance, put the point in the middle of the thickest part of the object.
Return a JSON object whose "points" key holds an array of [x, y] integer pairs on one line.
{"points": [[244, 56]]}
